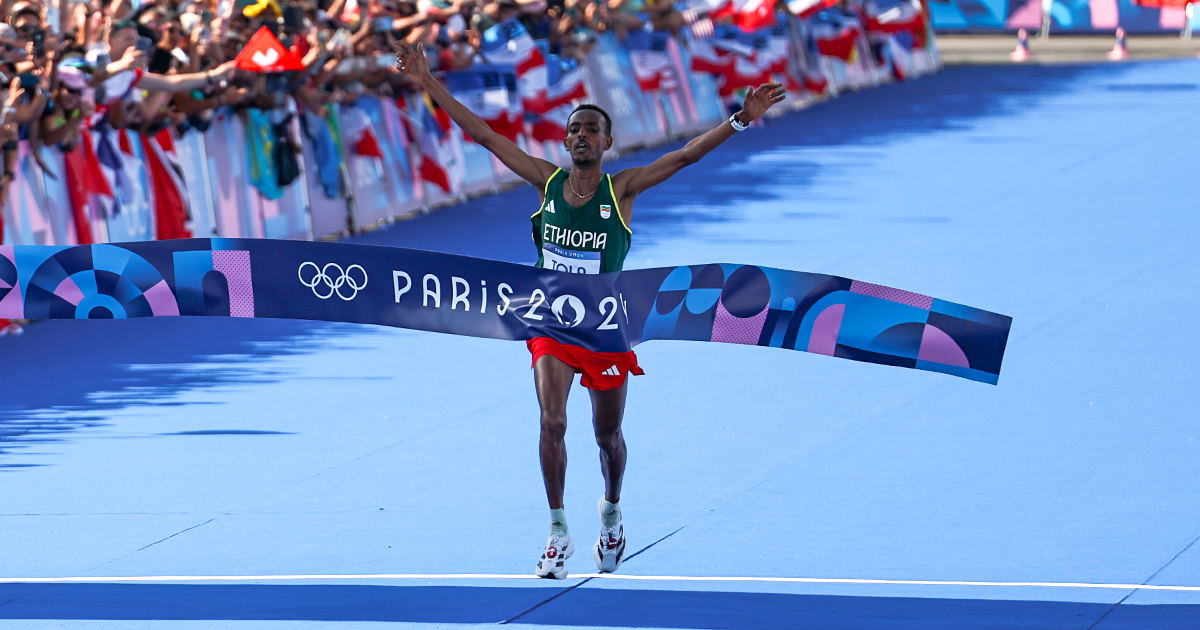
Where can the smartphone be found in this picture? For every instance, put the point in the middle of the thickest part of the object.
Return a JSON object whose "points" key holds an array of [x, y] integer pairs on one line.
{"points": [[29, 81], [145, 45], [39, 43], [381, 24]]}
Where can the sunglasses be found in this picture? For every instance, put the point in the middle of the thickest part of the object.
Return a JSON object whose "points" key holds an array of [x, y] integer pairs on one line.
{"points": [[7, 47], [70, 90]]}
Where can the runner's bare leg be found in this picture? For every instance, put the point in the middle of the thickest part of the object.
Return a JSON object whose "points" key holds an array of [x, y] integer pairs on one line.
{"points": [[608, 407], [553, 379]]}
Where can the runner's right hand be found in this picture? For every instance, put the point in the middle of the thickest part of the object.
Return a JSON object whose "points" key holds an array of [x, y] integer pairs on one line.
{"points": [[412, 62]]}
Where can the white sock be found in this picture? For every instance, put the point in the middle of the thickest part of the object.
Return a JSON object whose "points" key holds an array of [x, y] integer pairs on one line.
{"points": [[558, 522], [610, 513]]}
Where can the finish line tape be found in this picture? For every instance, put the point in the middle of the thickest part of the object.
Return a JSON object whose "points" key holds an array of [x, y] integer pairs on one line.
{"points": [[419, 290]]}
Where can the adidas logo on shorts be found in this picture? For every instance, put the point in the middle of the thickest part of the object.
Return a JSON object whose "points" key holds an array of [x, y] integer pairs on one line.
{"points": [[612, 371]]}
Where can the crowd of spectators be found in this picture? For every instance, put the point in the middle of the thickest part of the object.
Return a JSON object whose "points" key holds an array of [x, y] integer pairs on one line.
{"points": [[149, 64]]}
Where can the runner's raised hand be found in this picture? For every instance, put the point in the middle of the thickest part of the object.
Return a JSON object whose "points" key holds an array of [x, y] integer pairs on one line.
{"points": [[412, 62], [760, 99]]}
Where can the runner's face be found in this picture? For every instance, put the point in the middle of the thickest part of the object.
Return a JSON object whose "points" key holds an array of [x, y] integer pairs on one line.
{"points": [[586, 141]]}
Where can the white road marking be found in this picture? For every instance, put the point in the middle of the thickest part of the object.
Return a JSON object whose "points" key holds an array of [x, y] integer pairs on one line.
{"points": [[604, 576]]}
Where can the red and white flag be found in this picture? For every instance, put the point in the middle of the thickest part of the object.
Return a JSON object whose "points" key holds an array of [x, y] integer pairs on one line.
{"points": [[648, 56], [490, 91], [441, 154], [263, 53], [564, 82]]}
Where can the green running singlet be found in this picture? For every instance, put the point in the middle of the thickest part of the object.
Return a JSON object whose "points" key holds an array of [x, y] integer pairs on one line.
{"points": [[592, 238]]}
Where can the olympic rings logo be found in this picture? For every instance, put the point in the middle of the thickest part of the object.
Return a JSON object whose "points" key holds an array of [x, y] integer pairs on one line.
{"points": [[322, 279]]}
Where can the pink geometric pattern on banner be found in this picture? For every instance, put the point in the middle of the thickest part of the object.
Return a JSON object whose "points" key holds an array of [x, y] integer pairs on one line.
{"points": [[69, 291], [11, 307], [235, 265], [1028, 16], [938, 347], [894, 295], [162, 301], [823, 339], [730, 329]]}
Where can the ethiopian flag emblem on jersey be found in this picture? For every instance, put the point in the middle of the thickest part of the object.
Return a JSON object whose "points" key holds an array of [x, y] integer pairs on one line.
{"points": [[605, 212]]}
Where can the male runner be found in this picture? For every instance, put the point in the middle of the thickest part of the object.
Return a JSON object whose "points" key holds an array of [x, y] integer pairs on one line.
{"points": [[599, 205]]}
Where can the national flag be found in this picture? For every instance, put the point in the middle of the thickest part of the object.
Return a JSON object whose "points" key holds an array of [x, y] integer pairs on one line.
{"points": [[778, 49], [263, 53], [368, 145], [86, 183], [109, 156], [710, 59], [356, 128], [718, 55], [552, 125], [564, 82], [490, 91], [649, 58], [896, 16], [699, 22], [805, 9], [836, 34], [751, 15], [170, 211], [441, 157], [509, 43]]}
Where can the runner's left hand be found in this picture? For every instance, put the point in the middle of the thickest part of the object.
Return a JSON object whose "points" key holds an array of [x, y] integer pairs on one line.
{"points": [[760, 99]]}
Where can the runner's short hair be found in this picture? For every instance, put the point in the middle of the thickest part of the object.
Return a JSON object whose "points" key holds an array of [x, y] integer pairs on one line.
{"points": [[595, 108]]}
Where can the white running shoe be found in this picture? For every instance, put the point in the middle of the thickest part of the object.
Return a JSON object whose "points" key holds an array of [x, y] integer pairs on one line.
{"points": [[610, 547], [553, 563]]}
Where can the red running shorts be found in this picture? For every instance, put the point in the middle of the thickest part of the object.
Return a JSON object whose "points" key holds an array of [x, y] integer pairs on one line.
{"points": [[601, 370]]}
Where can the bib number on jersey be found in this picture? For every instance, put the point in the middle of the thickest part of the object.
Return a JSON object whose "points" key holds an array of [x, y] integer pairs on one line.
{"points": [[569, 260]]}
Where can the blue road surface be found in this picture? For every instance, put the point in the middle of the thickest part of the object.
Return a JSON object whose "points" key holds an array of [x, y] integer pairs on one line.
{"points": [[1064, 196]]}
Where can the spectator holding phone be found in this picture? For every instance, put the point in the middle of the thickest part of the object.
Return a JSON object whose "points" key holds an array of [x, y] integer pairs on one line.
{"points": [[129, 69]]}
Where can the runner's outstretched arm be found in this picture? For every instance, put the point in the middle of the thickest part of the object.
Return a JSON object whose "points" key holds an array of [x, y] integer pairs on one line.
{"points": [[537, 172], [632, 181]]}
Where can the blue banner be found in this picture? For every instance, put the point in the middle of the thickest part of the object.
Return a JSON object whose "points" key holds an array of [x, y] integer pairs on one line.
{"points": [[460, 295]]}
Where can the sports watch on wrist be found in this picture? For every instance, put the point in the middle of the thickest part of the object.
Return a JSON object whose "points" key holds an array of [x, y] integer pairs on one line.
{"points": [[737, 124]]}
